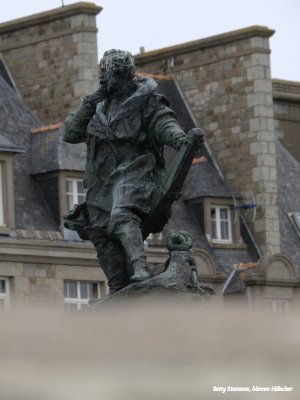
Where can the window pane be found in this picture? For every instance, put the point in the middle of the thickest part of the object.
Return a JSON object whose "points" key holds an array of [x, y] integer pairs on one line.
{"points": [[66, 289], [2, 286], [80, 187], [83, 290], [213, 213], [224, 230], [72, 289], [214, 229], [70, 202], [69, 186], [224, 213], [93, 291], [81, 198]]}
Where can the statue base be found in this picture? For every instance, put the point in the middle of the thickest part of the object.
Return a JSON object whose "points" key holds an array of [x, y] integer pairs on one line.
{"points": [[179, 279]]}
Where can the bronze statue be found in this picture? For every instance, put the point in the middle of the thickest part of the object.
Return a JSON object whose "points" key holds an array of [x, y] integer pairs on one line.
{"points": [[125, 125]]}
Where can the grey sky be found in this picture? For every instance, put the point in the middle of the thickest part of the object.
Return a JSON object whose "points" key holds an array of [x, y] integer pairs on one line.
{"points": [[129, 24]]}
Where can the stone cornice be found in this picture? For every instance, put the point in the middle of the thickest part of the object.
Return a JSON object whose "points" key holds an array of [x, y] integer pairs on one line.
{"points": [[217, 40], [48, 16], [286, 90], [49, 252], [44, 38]]}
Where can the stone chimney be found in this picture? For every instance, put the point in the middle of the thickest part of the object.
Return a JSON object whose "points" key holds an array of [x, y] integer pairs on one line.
{"points": [[52, 57], [226, 81]]}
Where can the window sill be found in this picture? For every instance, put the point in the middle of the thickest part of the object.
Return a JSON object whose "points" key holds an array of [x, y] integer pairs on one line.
{"points": [[234, 246], [4, 230]]}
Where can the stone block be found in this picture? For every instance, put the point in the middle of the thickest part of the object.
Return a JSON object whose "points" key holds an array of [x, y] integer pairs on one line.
{"points": [[257, 124], [88, 74], [254, 99], [263, 199], [87, 37], [11, 268], [258, 148], [21, 284], [266, 136], [226, 153], [86, 48], [235, 130], [82, 88], [40, 272], [256, 72], [259, 225], [271, 212], [271, 187], [263, 111], [80, 273], [260, 59], [259, 42], [273, 174], [271, 148], [213, 126], [266, 160]]}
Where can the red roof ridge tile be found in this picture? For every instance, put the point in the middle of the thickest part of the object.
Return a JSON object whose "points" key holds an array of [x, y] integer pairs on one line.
{"points": [[46, 128]]}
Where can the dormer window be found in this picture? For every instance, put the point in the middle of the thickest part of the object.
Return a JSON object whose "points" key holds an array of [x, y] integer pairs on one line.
{"points": [[75, 192], [220, 217], [216, 217]]}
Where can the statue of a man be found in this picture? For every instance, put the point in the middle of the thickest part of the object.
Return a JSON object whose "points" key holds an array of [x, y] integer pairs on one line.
{"points": [[125, 125]]}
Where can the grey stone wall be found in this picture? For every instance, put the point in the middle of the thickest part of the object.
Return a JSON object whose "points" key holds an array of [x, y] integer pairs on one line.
{"points": [[52, 57], [227, 82]]}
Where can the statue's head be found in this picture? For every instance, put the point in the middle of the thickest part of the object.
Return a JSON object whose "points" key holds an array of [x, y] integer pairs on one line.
{"points": [[116, 69]]}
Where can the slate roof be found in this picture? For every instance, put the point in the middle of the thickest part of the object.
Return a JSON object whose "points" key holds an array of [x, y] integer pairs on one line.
{"points": [[51, 153], [7, 146], [288, 172], [5, 74], [16, 122]]}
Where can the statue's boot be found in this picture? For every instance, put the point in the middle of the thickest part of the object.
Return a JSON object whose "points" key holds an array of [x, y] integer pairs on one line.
{"points": [[111, 259], [130, 236]]}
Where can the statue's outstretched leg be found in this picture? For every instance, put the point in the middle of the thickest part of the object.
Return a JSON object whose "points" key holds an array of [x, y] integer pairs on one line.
{"points": [[112, 260], [127, 229]]}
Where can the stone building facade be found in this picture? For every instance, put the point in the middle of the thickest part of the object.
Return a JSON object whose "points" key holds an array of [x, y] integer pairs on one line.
{"points": [[226, 81], [222, 84], [52, 57]]}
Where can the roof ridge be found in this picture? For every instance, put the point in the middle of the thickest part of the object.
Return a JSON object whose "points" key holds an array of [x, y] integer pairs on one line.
{"points": [[161, 77], [46, 128]]}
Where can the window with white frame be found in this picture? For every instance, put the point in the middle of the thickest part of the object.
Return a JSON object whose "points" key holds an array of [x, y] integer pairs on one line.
{"points": [[78, 293], [220, 224], [277, 306], [2, 222], [75, 192], [4, 293]]}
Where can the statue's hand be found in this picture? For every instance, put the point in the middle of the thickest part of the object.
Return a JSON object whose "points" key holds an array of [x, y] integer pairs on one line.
{"points": [[179, 142], [198, 137], [92, 100]]}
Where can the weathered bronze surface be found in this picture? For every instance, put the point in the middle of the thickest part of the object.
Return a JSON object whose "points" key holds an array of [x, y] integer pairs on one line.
{"points": [[125, 125]]}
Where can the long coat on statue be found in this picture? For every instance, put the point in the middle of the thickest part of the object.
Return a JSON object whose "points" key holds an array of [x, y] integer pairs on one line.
{"points": [[124, 162]]}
